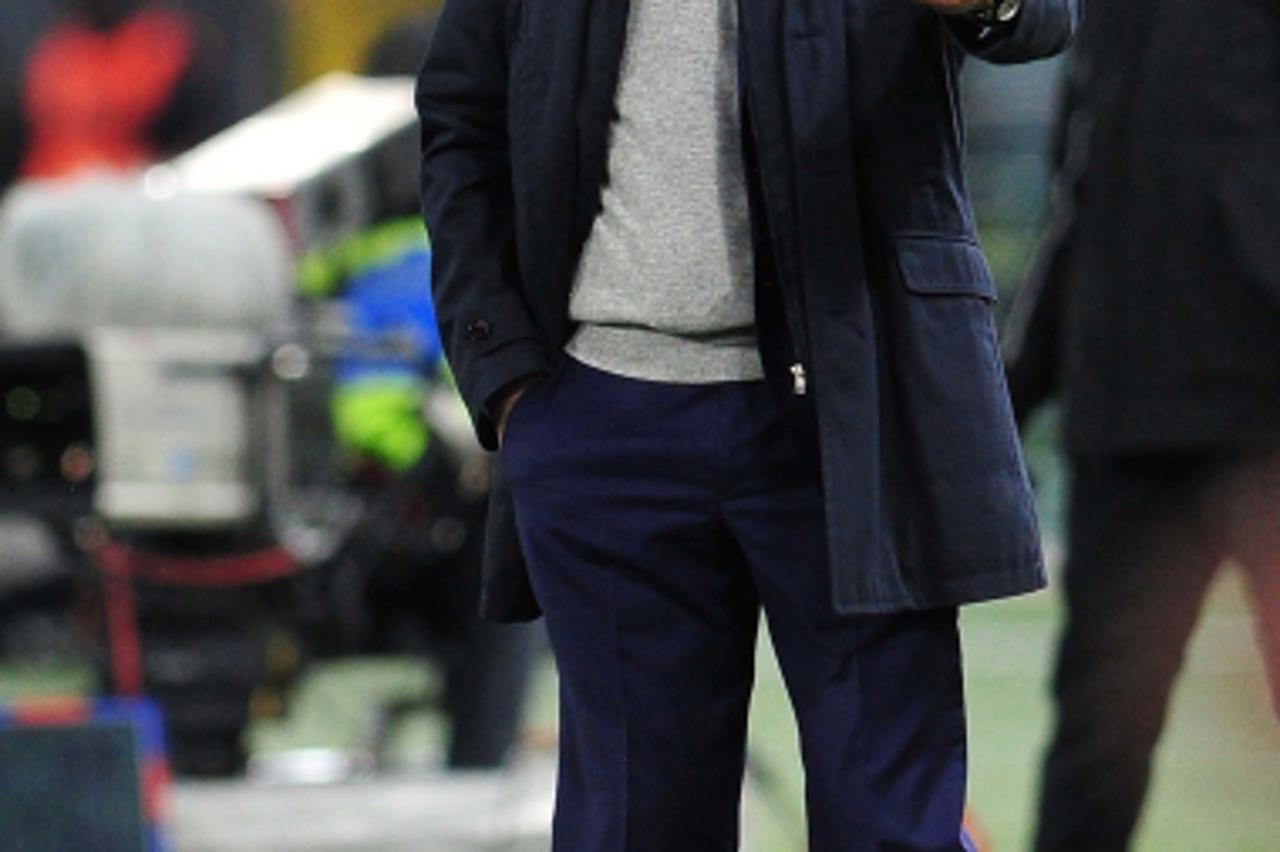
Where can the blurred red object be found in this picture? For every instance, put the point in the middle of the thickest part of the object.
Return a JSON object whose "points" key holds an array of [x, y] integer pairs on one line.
{"points": [[93, 96]]}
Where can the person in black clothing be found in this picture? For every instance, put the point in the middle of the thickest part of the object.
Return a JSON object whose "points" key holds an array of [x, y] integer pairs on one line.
{"points": [[1154, 313]]}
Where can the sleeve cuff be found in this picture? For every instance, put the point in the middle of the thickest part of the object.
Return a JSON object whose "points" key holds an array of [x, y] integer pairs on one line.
{"points": [[513, 361]]}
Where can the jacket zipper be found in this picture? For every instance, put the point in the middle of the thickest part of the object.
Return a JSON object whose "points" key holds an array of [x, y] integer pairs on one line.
{"points": [[793, 307], [799, 382]]}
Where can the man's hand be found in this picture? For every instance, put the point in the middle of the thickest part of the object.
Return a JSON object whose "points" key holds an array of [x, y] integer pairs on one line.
{"points": [[956, 7], [509, 396]]}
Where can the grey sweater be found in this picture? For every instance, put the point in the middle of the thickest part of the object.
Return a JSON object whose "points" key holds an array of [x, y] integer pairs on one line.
{"points": [[664, 289]]}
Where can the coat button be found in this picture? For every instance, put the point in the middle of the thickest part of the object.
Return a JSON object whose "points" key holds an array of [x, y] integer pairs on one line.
{"points": [[478, 330]]}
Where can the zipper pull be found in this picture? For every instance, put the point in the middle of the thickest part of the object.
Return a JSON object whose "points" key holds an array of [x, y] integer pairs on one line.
{"points": [[799, 382]]}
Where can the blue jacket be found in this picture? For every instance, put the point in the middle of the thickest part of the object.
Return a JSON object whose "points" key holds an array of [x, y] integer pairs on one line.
{"points": [[869, 272]]}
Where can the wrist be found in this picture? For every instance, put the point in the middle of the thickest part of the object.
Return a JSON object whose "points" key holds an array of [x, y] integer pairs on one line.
{"points": [[505, 399]]}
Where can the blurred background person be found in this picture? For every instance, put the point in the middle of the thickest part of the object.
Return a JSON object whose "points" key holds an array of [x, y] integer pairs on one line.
{"points": [[115, 85], [118, 84], [1154, 313]]}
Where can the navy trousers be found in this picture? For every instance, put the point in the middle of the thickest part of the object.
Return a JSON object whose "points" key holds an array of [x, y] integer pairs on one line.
{"points": [[657, 521]]}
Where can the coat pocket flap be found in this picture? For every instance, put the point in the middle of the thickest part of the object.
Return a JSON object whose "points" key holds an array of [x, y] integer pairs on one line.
{"points": [[941, 266]]}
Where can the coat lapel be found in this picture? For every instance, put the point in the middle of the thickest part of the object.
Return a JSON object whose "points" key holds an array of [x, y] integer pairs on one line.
{"points": [[801, 97], [606, 39], [555, 76]]}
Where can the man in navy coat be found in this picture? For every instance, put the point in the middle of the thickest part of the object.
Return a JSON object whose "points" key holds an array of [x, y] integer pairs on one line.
{"points": [[706, 273]]}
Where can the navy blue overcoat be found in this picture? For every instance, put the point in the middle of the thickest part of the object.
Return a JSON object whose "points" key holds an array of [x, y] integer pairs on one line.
{"points": [[869, 272]]}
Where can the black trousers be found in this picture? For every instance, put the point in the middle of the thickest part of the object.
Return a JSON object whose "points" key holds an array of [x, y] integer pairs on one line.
{"points": [[1146, 536], [658, 520]]}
